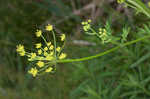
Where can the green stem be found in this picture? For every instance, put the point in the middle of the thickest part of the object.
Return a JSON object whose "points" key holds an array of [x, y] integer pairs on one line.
{"points": [[61, 48], [54, 42], [44, 39], [103, 53], [94, 32], [89, 33]]}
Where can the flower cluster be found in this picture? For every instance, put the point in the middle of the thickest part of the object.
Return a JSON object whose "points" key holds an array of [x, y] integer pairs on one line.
{"points": [[46, 55], [20, 50], [104, 35], [86, 25]]}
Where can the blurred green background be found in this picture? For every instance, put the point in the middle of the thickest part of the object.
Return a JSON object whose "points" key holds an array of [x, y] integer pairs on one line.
{"points": [[123, 74]]}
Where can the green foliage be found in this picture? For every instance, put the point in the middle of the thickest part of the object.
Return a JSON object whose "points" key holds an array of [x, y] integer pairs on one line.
{"points": [[119, 71], [139, 6], [125, 33]]}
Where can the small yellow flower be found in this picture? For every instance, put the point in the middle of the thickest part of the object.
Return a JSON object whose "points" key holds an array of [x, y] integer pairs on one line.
{"points": [[33, 71], [49, 27], [51, 47], [20, 48], [22, 53], [49, 43], [38, 33], [58, 49], [45, 53], [62, 56], [100, 32], [39, 51], [100, 29], [83, 23], [104, 36], [33, 55], [49, 69], [38, 45], [62, 37], [89, 21], [45, 49], [40, 64]]}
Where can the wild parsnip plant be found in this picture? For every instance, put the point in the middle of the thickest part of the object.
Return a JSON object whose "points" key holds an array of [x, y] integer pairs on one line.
{"points": [[46, 55], [123, 74], [49, 54]]}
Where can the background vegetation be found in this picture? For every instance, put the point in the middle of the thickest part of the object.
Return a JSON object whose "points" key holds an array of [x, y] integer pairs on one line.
{"points": [[123, 74]]}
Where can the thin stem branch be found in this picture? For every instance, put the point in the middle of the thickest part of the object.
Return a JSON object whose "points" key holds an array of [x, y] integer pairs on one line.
{"points": [[103, 53], [54, 43], [44, 39]]}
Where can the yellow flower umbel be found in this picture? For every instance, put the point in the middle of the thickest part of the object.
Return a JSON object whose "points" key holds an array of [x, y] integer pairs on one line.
{"points": [[102, 34], [49, 27], [46, 55]]}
